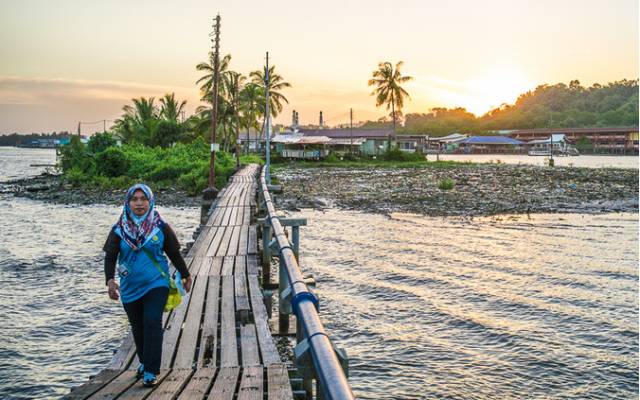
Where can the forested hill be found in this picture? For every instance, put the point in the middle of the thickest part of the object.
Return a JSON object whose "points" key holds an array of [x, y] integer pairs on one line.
{"points": [[558, 106]]}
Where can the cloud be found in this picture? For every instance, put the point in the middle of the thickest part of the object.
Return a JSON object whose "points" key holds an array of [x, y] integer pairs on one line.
{"points": [[44, 105]]}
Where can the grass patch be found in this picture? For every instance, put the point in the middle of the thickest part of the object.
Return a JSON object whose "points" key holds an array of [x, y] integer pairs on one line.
{"points": [[446, 184]]}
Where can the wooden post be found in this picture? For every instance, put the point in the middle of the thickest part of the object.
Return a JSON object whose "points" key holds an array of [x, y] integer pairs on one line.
{"points": [[266, 253]]}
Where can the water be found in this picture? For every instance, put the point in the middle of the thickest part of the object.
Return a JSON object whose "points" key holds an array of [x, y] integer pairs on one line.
{"points": [[542, 308], [503, 307], [579, 161], [59, 326]]}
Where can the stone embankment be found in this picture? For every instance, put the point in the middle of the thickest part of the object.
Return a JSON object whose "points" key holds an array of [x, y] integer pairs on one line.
{"points": [[478, 189]]}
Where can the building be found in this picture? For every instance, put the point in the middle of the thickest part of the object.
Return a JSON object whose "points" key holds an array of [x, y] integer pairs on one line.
{"points": [[491, 145], [609, 140]]}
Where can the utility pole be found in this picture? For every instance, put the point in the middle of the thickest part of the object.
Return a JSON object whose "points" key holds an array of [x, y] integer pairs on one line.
{"points": [[104, 126], [214, 105], [79, 124], [267, 123], [351, 129]]}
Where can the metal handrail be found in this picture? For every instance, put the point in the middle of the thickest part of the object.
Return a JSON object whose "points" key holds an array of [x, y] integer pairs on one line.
{"points": [[328, 370]]}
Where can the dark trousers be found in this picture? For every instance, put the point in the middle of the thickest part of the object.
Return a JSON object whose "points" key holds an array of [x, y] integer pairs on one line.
{"points": [[145, 317]]}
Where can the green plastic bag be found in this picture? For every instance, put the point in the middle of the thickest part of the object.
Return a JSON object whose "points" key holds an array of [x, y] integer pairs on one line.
{"points": [[174, 299]]}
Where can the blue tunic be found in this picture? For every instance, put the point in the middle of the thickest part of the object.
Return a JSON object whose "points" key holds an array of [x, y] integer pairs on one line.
{"points": [[137, 272]]}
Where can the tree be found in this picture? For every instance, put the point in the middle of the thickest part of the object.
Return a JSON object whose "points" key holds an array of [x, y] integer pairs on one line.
{"points": [[388, 91], [251, 101], [138, 121], [170, 108], [276, 84]]}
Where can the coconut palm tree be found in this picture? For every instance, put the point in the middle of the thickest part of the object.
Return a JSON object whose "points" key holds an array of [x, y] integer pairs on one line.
{"points": [[170, 108], [276, 84], [388, 91], [251, 104], [138, 121], [206, 81], [232, 83]]}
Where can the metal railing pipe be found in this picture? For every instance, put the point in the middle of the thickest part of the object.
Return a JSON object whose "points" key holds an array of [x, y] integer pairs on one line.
{"points": [[327, 368]]}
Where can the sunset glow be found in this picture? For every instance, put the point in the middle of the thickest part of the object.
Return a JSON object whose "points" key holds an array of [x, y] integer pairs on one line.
{"points": [[80, 62]]}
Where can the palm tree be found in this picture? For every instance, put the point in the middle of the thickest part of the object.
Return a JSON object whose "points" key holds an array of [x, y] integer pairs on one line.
{"points": [[232, 83], [388, 91], [171, 108], [206, 80], [251, 104], [276, 84], [138, 121]]}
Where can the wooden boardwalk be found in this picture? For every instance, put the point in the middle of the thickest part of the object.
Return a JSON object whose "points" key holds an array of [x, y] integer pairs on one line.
{"points": [[217, 343]]}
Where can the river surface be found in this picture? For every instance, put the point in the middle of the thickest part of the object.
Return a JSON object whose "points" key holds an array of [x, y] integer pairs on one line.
{"points": [[588, 161], [491, 308]]}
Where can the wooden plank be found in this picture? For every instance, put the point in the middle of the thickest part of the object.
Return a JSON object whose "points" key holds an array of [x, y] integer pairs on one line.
{"points": [[174, 326], [114, 388], [252, 246], [198, 385], [96, 383], [227, 266], [189, 338], [233, 217], [234, 241], [200, 241], [171, 385], [137, 391], [124, 354], [268, 348], [228, 341], [252, 265], [242, 298], [215, 241], [249, 345], [251, 385], [224, 387], [224, 243], [208, 344], [278, 384], [243, 240]]}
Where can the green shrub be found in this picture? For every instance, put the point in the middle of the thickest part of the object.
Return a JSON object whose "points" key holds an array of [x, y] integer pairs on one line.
{"points": [[74, 155], [332, 158], [446, 184], [100, 142], [112, 162], [395, 154]]}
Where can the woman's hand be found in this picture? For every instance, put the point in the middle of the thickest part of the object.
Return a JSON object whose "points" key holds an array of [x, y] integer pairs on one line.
{"points": [[186, 284], [113, 289]]}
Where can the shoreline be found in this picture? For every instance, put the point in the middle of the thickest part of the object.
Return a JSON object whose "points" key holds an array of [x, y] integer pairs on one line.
{"points": [[479, 190]]}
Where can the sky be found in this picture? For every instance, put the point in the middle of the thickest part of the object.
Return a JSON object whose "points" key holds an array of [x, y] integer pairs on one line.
{"points": [[65, 61]]}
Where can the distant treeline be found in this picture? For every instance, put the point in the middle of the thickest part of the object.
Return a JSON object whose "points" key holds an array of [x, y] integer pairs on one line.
{"points": [[558, 106], [15, 139]]}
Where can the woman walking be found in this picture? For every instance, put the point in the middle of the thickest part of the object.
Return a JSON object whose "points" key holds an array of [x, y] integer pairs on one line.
{"points": [[137, 243]]}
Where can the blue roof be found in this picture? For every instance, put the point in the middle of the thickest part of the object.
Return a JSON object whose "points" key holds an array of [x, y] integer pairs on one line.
{"points": [[491, 140]]}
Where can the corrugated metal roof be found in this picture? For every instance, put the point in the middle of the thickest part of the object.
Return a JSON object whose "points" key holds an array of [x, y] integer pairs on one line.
{"points": [[347, 133], [491, 140]]}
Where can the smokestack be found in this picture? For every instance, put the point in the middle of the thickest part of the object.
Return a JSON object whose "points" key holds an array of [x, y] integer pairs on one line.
{"points": [[293, 119], [321, 121]]}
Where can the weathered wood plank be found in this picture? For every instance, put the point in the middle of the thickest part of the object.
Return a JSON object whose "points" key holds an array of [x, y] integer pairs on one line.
{"points": [[198, 385], [224, 243], [125, 353], [268, 348], [215, 241], [242, 298], [227, 266], [224, 387], [243, 240], [278, 384], [228, 341], [189, 338], [96, 383], [234, 241], [251, 385], [252, 247], [249, 345], [252, 265], [114, 388], [207, 353], [233, 217], [171, 385], [138, 392], [174, 325]]}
